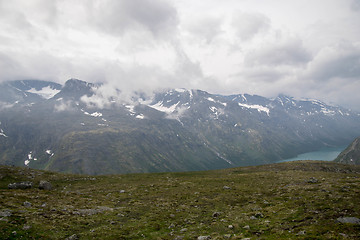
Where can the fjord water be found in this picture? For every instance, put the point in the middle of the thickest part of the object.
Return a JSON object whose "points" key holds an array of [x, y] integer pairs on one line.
{"points": [[324, 154]]}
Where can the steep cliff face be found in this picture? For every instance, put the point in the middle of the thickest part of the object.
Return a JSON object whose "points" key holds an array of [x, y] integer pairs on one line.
{"points": [[351, 155]]}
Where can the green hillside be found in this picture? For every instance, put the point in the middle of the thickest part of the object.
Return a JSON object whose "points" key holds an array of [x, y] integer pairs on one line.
{"points": [[294, 200]]}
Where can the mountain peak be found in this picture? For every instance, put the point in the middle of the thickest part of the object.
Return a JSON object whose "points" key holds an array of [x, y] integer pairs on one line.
{"points": [[73, 82], [75, 88]]}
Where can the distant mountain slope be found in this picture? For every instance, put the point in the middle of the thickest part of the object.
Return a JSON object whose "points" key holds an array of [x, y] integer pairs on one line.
{"points": [[351, 155], [76, 129]]}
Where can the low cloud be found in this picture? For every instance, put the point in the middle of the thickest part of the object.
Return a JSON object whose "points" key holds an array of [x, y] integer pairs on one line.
{"points": [[62, 105]]}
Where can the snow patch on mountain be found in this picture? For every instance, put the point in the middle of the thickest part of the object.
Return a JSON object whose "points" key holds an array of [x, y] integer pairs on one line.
{"points": [[213, 100], [94, 114], [46, 92], [160, 107], [328, 112], [2, 132], [259, 108], [213, 109], [140, 116], [131, 109], [180, 90], [29, 157], [210, 99]]}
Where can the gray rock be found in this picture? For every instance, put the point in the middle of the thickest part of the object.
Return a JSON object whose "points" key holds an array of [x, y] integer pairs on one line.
{"points": [[4, 219], [5, 213], [204, 238], [92, 211], [313, 180], [20, 185], [72, 237], [27, 204], [227, 187], [351, 220], [26, 227], [183, 230], [253, 218], [231, 226], [45, 185], [301, 232]]}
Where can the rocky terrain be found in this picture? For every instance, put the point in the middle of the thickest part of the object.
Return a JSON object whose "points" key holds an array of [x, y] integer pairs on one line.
{"points": [[351, 155], [293, 200]]}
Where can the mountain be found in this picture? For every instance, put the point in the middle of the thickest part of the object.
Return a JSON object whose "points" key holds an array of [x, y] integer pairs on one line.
{"points": [[351, 155], [80, 129]]}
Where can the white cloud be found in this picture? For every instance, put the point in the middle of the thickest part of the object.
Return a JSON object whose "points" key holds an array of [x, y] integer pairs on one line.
{"points": [[289, 52], [340, 61], [258, 47], [248, 25], [157, 16], [206, 28]]}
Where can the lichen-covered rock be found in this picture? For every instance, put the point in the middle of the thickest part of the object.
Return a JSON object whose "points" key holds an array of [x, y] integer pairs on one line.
{"points": [[45, 185], [20, 185], [204, 238], [351, 220]]}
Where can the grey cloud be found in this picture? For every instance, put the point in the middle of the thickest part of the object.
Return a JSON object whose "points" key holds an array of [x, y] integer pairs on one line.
{"points": [[119, 16], [341, 61], [19, 13], [355, 5], [8, 67], [263, 74], [207, 28], [248, 25], [290, 52]]}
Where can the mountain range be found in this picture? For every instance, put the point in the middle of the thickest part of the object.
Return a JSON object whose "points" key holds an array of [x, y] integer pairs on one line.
{"points": [[77, 128]]}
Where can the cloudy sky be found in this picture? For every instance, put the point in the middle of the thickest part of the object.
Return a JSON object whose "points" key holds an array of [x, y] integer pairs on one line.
{"points": [[302, 48]]}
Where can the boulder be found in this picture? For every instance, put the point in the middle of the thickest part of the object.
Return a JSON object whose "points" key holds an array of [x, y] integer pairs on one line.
{"points": [[204, 238], [20, 185], [351, 220], [45, 185]]}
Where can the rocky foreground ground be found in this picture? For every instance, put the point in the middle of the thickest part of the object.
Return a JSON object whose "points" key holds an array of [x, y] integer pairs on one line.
{"points": [[295, 200]]}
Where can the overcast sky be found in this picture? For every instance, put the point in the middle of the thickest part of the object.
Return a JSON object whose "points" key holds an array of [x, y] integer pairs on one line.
{"points": [[302, 48]]}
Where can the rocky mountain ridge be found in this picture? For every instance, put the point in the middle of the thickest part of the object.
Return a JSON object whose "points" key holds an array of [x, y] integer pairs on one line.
{"points": [[351, 155], [75, 128]]}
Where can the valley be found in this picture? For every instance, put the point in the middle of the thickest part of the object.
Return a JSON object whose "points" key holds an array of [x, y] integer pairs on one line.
{"points": [[77, 128]]}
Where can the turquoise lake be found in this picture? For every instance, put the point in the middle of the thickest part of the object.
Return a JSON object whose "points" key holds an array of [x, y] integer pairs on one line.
{"points": [[325, 154]]}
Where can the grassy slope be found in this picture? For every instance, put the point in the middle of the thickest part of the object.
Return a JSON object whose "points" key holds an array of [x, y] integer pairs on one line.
{"points": [[170, 205]]}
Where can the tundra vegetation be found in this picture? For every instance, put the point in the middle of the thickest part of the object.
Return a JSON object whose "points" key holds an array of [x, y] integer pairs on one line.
{"points": [[292, 200]]}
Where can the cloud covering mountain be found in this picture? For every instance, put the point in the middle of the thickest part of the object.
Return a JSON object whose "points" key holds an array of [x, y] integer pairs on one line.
{"points": [[302, 48]]}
